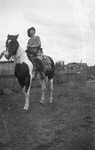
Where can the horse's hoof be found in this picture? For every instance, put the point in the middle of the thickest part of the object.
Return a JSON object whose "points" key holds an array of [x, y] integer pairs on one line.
{"points": [[51, 101], [41, 102], [25, 108]]}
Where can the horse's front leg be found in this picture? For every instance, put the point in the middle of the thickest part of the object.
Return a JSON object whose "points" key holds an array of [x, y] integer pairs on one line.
{"points": [[43, 86], [26, 94], [26, 106], [26, 91]]}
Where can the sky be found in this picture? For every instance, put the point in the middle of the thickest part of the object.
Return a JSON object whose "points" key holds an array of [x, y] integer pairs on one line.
{"points": [[66, 27]]}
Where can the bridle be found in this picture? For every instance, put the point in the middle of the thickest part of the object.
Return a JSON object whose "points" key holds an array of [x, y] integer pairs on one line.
{"points": [[20, 55], [8, 50], [11, 47], [7, 54]]}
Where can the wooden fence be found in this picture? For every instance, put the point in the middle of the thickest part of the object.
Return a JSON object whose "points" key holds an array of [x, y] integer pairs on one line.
{"points": [[7, 78], [70, 77]]}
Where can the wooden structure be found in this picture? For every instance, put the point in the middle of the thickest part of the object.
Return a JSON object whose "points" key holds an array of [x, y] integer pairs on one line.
{"points": [[7, 78], [71, 73]]}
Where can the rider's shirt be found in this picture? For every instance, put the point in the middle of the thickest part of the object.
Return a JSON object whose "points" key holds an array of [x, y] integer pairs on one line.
{"points": [[35, 40], [33, 44]]}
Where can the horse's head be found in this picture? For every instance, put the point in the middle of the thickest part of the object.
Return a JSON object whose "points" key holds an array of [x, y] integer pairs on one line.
{"points": [[11, 46]]}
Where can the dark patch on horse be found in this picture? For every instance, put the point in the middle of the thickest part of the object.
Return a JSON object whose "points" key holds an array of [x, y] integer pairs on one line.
{"points": [[22, 73]]}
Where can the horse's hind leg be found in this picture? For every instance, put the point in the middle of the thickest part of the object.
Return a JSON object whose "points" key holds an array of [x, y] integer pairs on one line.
{"points": [[51, 90], [43, 86]]}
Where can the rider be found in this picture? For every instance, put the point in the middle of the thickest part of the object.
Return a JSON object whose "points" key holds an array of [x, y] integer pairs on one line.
{"points": [[34, 48]]}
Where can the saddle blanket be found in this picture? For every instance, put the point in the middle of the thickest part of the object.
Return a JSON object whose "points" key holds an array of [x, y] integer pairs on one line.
{"points": [[46, 61]]}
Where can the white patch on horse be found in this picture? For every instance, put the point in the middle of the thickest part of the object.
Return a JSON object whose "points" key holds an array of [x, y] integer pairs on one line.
{"points": [[21, 57], [9, 40]]}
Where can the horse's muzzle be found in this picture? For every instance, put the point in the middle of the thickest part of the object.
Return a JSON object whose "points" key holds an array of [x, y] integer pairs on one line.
{"points": [[7, 55]]}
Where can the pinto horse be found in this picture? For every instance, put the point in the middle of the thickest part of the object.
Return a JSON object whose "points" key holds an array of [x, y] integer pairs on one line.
{"points": [[24, 70]]}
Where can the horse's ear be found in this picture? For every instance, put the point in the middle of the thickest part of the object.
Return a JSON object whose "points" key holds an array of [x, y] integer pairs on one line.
{"points": [[17, 36]]}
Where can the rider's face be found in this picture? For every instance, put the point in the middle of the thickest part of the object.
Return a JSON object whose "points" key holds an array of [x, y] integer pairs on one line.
{"points": [[32, 32]]}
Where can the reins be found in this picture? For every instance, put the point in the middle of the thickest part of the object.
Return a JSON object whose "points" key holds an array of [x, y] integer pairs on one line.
{"points": [[21, 54], [1, 55]]}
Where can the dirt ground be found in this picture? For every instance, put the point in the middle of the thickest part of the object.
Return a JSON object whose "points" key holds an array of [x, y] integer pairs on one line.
{"points": [[67, 124]]}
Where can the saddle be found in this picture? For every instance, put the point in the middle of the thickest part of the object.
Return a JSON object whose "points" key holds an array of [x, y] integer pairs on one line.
{"points": [[46, 62]]}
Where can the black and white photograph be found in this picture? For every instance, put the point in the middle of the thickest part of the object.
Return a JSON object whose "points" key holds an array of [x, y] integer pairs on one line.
{"points": [[47, 75]]}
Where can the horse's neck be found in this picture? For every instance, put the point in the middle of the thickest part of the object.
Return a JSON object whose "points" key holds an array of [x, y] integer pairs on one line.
{"points": [[20, 55], [20, 51]]}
